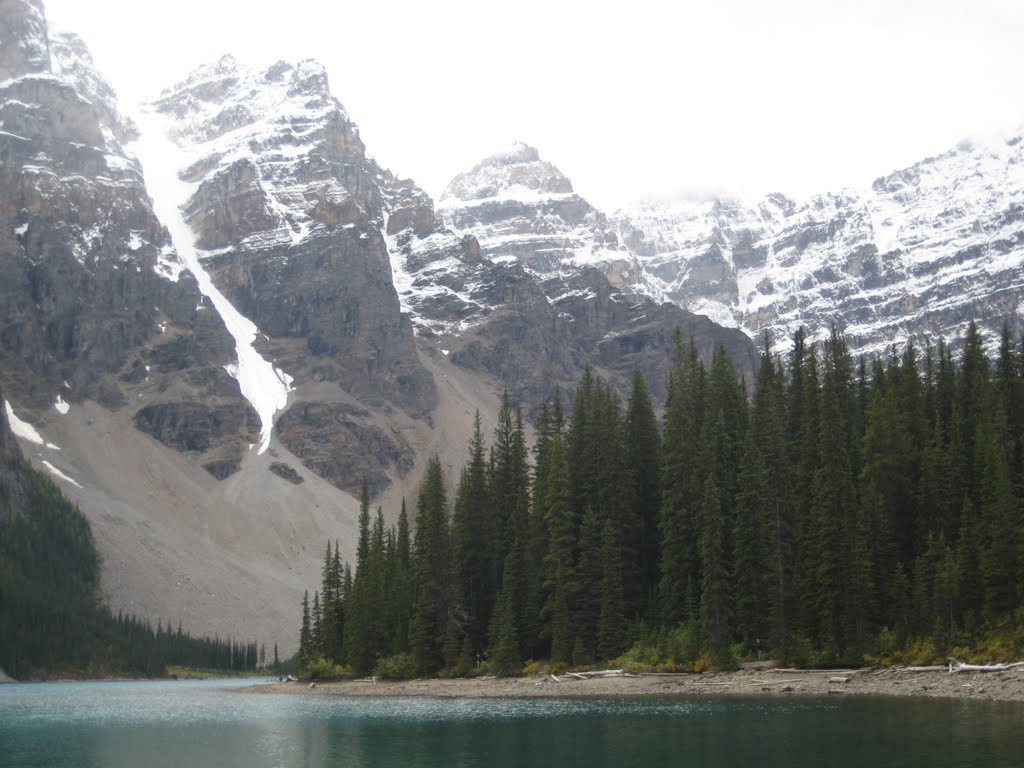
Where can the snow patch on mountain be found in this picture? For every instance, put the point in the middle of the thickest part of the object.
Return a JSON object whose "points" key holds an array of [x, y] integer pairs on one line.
{"points": [[263, 385], [24, 430], [60, 475]]}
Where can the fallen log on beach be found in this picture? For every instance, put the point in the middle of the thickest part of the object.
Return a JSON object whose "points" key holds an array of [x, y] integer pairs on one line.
{"points": [[956, 667]]}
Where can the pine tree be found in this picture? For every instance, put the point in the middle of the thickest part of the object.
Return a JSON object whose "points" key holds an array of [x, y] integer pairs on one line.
{"points": [[560, 560], [587, 587], [611, 629], [305, 633], [432, 573], [359, 643], [316, 633], [715, 602], [504, 650], [768, 419], [1000, 516], [680, 559], [401, 597], [473, 537], [752, 566], [643, 454]]}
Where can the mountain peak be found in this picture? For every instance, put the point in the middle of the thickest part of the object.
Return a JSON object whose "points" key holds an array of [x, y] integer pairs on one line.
{"points": [[515, 153], [511, 172], [26, 48]]}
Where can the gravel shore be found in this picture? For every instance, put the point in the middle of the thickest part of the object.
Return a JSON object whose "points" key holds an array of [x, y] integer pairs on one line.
{"points": [[988, 686]]}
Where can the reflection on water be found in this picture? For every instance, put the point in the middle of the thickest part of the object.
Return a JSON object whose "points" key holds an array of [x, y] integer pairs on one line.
{"points": [[201, 723]]}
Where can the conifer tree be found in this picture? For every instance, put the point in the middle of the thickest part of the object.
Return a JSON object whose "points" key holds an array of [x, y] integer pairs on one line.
{"points": [[432, 568], [752, 567], [611, 630], [401, 595], [587, 587], [560, 560], [768, 419], [305, 633], [474, 532], [504, 650], [316, 633], [680, 558], [716, 602], [359, 641], [643, 454]]}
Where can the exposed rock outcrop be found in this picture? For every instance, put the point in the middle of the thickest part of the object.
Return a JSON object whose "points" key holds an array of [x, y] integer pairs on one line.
{"points": [[529, 284], [287, 212], [94, 301]]}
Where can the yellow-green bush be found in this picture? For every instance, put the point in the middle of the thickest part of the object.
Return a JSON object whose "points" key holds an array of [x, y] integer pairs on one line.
{"points": [[401, 666], [324, 669]]}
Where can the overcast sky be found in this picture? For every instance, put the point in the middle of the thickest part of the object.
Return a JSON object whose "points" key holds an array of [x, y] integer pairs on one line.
{"points": [[630, 99]]}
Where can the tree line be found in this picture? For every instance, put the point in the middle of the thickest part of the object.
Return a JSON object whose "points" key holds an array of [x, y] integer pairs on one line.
{"points": [[831, 511]]}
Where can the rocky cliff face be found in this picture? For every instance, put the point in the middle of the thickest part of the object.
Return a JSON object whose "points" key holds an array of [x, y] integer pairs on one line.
{"points": [[541, 286], [89, 311], [918, 256], [288, 214]]}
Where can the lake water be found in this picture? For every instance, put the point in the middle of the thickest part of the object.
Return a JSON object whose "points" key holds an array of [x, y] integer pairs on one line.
{"points": [[203, 723]]}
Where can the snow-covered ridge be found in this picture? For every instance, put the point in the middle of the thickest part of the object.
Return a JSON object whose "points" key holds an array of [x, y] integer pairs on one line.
{"points": [[503, 173], [522, 208], [273, 133], [263, 385], [917, 256]]}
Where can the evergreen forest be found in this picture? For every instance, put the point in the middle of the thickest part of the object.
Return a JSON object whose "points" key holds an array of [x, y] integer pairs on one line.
{"points": [[832, 511], [52, 623]]}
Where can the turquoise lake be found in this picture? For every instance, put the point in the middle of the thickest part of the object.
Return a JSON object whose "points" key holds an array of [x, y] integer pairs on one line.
{"points": [[204, 723]]}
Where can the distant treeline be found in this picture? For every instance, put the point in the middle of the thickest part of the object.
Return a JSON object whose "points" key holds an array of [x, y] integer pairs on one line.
{"points": [[51, 622], [832, 511]]}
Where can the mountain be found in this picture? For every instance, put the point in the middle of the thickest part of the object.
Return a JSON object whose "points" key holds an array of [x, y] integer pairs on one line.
{"points": [[520, 207], [220, 316], [916, 257], [120, 376], [549, 287]]}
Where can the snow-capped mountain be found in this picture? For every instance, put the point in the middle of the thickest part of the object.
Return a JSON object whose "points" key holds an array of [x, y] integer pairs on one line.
{"points": [[521, 208], [526, 281], [220, 315], [918, 256], [120, 376]]}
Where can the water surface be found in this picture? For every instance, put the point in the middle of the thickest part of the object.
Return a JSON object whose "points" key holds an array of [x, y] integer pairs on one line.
{"points": [[213, 723]]}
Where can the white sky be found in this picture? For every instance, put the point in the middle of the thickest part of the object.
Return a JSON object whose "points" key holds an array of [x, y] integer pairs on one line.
{"points": [[632, 99]]}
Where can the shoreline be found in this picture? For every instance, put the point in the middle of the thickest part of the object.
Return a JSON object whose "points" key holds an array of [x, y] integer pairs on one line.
{"points": [[1005, 686]]}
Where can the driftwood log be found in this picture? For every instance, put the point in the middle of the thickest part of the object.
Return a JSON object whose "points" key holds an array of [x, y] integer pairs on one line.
{"points": [[957, 666]]}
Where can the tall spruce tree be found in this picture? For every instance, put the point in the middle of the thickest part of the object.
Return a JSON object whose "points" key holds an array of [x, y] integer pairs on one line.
{"points": [[432, 568], [641, 529], [359, 623], [716, 601], [681, 487], [474, 532]]}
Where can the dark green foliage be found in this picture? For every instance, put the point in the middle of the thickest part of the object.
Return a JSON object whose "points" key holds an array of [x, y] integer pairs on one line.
{"points": [[474, 546], [51, 622], [611, 627], [432, 573], [841, 512], [715, 600], [360, 611], [640, 529]]}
